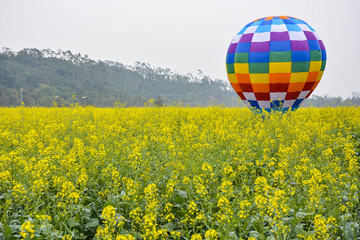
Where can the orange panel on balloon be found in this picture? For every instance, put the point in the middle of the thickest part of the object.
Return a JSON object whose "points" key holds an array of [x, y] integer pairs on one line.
{"points": [[279, 77], [236, 87], [312, 76], [243, 78], [296, 87], [261, 87]]}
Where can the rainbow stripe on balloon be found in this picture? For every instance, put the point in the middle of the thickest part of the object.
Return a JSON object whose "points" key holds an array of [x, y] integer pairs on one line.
{"points": [[275, 62]]}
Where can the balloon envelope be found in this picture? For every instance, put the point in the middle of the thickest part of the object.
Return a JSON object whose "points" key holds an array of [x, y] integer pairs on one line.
{"points": [[274, 63]]}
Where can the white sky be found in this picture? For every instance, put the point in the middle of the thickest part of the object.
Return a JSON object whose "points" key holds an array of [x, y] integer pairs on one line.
{"points": [[183, 35]]}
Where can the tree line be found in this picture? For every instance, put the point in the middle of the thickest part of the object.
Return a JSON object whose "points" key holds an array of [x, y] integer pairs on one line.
{"points": [[44, 77], [33, 77]]}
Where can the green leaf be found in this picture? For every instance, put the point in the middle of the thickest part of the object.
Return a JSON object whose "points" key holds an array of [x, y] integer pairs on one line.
{"points": [[14, 228], [177, 206], [301, 215], [170, 227], [299, 227], [233, 235], [80, 236], [86, 210], [182, 194], [270, 238], [92, 223], [349, 234], [73, 223], [17, 236], [254, 234], [122, 193], [7, 231]]}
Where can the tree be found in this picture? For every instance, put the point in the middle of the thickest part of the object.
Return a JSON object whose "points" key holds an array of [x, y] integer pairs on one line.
{"points": [[159, 101]]}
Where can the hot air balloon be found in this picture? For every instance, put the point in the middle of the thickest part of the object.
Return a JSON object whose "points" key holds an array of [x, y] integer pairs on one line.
{"points": [[275, 63]]}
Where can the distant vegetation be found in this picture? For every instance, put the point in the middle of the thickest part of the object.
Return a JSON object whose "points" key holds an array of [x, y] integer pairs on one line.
{"points": [[44, 78], [323, 101]]}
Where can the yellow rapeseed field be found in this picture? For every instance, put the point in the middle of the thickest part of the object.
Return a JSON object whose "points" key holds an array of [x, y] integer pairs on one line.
{"points": [[179, 173]]}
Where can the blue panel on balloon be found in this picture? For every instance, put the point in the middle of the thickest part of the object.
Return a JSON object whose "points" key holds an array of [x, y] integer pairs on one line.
{"points": [[259, 57], [243, 47], [254, 104], [300, 56], [230, 58], [280, 46]]}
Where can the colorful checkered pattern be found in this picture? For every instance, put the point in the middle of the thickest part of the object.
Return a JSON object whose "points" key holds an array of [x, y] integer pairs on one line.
{"points": [[275, 63]]}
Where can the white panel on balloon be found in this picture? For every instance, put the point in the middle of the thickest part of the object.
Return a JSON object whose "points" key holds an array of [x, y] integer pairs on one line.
{"points": [[303, 94], [250, 96], [278, 95], [288, 103], [264, 104]]}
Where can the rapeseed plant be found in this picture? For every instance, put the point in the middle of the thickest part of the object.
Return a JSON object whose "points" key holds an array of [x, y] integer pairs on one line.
{"points": [[179, 173]]}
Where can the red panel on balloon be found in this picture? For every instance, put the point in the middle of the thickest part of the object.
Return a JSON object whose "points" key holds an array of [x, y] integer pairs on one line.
{"points": [[279, 87], [308, 86], [292, 95], [262, 96], [246, 87]]}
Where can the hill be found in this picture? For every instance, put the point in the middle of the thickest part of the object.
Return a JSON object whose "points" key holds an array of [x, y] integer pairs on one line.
{"points": [[42, 77]]}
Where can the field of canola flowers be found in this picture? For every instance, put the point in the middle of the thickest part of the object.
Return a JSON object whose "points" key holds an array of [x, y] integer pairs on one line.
{"points": [[179, 173]]}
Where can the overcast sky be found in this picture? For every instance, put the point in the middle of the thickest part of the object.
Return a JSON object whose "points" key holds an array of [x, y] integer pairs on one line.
{"points": [[183, 35]]}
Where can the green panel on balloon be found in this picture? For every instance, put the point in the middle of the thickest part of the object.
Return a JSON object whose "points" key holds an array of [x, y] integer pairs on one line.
{"points": [[259, 67], [300, 66], [323, 63], [230, 68], [241, 57], [315, 55], [284, 56]]}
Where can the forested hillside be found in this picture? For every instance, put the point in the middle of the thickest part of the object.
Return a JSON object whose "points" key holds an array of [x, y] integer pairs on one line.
{"points": [[44, 77]]}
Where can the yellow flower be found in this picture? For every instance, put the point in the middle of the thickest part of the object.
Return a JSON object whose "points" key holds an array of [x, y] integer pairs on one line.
{"points": [[66, 237], [19, 192], [244, 209], [125, 237], [27, 228], [175, 234], [320, 227], [211, 234], [44, 217], [196, 237]]}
